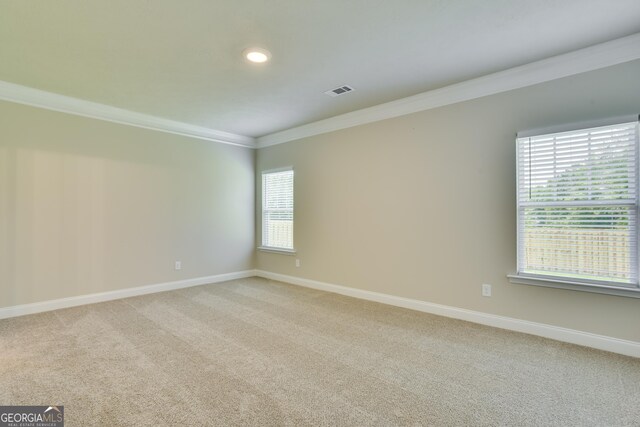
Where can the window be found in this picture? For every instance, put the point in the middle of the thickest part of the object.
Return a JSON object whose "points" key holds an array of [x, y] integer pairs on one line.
{"points": [[277, 210], [578, 206]]}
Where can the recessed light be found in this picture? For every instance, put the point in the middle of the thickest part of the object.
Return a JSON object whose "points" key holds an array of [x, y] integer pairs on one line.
{"points": [[257, 55]]}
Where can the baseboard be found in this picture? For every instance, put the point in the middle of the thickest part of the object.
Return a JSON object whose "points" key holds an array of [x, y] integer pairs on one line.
{"points": [[39, 307], [601, 342]]}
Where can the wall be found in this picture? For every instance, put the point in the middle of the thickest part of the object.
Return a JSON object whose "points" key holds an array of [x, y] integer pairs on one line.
{"points": [[89, 206], [423, 206]]}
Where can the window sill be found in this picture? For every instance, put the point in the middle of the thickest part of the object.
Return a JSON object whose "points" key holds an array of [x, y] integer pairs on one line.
{"points": [[559, 283], [277, 250]]}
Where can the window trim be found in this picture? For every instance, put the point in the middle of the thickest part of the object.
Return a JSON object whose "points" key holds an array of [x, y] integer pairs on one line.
{"points": [[275, 249], [553, 282], [578, 126], [559, 282]]}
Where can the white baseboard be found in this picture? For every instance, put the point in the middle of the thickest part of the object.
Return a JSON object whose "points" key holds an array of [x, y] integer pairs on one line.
{"points": [[39, 307], [601, 342]]}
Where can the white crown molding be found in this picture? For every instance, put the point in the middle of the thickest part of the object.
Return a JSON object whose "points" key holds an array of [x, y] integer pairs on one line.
{"points": [[39, 307], [588, 59], [580, 61], [51, 101], [601, 342]]}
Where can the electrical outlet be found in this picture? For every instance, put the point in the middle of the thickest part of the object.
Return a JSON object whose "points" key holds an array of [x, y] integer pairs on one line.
{"points": [[178, 265], [486, 290], [297, 262]]}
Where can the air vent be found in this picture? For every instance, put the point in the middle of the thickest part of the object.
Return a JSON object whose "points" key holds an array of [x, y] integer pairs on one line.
{"points": [[339, 90]]}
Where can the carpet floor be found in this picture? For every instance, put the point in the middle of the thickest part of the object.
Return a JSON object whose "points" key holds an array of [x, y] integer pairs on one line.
{"points": [[259, 352]]}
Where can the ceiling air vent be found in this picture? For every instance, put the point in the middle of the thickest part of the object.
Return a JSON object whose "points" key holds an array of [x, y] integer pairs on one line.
{"points": [[339, 90]]}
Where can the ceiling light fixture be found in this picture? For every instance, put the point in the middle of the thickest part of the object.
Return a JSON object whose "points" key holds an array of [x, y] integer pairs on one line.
{"points": [[257, 55]]}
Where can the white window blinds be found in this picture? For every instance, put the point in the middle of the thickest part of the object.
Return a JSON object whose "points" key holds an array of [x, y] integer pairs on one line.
{"points": [[578, 205], [277, 209]]}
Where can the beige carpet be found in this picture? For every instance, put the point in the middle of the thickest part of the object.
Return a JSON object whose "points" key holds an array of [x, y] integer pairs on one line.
{"points": [[257, 352]]}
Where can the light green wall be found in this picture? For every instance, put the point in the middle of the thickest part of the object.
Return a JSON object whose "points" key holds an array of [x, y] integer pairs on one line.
{"points": [[423, 206], [90, 206]]}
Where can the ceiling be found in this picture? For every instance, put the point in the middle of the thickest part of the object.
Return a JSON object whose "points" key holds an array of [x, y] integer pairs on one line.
{"points": [[181, 60]]}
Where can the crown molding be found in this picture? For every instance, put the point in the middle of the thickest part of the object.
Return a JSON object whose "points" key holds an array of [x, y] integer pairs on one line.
{"points": [[580, 61], [51, 101]]}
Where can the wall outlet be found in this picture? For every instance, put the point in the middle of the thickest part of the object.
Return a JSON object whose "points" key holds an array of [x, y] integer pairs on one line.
{"points": [[297, 262], [178, 265], [486, 290]]}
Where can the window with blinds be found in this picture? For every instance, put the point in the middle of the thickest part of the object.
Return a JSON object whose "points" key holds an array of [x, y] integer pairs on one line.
{"points": [[578, 205], [277, 209]]}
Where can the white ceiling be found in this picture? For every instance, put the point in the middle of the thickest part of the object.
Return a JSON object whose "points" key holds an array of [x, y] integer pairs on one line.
{"points": [[181, 60]]}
